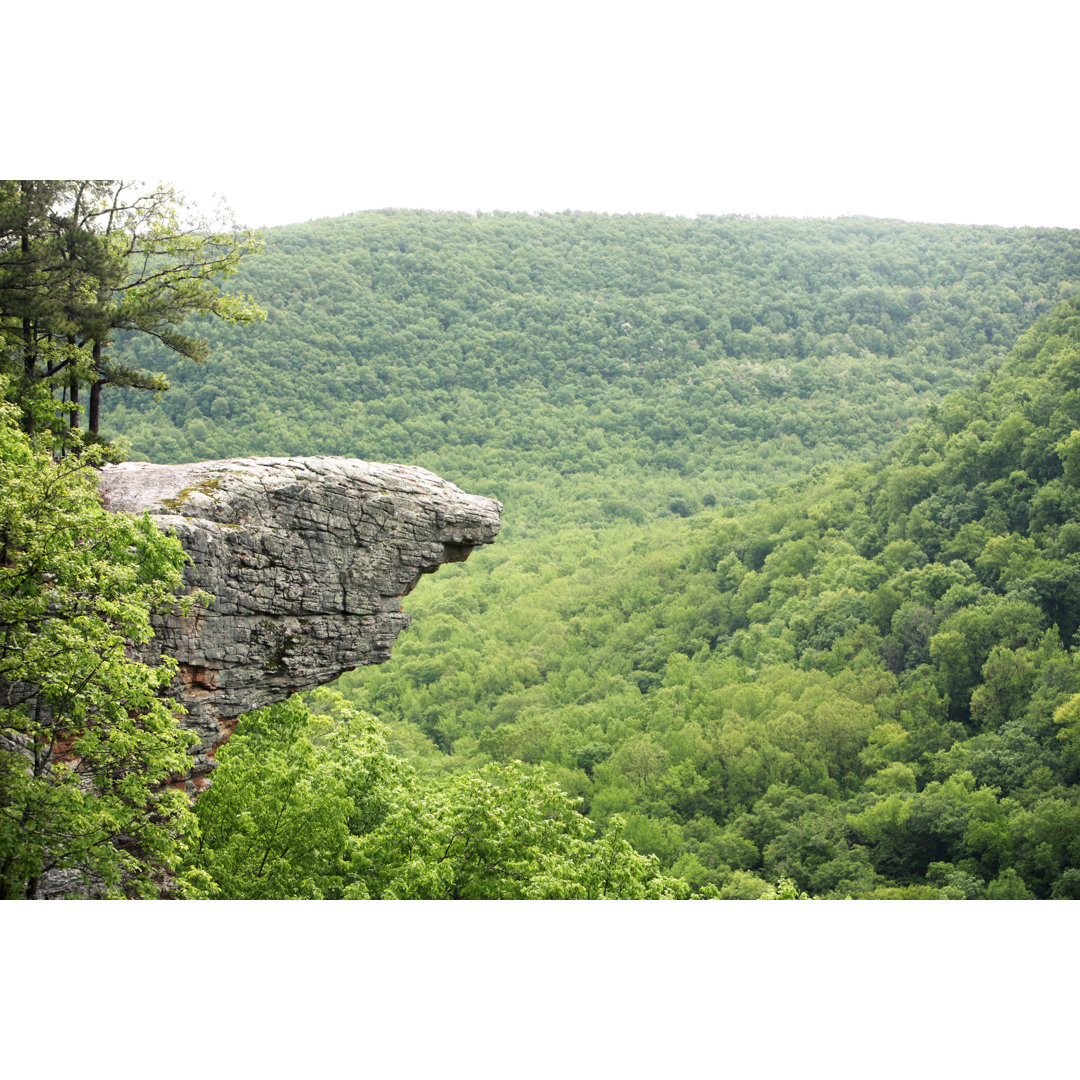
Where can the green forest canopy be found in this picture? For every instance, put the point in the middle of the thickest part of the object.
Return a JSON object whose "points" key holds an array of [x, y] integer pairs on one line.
{"points": [[598, 369], [870, 687], [798, 692], [863, 685]]}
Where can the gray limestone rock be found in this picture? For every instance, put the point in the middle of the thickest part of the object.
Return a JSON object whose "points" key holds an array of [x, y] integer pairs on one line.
{"points": [[306, 559]]}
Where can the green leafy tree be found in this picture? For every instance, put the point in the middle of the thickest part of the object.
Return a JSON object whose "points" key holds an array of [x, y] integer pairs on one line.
{"points": [[1009, 885], [48, 271], [290, 795], [784, 889], [508, 833], [87, 259], [314, 806], [87, 744]]}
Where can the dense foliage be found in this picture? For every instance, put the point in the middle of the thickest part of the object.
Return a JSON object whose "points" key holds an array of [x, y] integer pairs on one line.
{"points": [[866, 684], [84, 260], [312, 805], [855, 687], [86, 743], [870, 687], [586, 368]]}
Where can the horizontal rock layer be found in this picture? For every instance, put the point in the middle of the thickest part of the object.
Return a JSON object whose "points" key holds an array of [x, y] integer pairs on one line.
{"points": [[306, 560]]}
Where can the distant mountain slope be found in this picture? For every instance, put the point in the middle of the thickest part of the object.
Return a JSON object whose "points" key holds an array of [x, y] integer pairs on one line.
{"points": [[871, 686], [591, 368]]}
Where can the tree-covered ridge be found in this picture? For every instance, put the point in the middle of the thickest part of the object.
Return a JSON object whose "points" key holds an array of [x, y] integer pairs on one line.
{"points": [[592, 368], [865, 687], [870, 687]]}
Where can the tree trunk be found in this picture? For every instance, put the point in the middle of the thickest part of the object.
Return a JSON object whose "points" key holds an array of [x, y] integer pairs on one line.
{"points": [[95, 393], [73, 392], [73, 397], [95, 407]]}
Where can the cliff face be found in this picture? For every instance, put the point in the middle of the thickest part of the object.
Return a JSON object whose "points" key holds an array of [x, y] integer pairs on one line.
{"points": [[306, 560]]}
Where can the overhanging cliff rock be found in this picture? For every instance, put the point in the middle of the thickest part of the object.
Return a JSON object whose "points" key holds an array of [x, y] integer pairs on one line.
{"points": [[306, 559]]}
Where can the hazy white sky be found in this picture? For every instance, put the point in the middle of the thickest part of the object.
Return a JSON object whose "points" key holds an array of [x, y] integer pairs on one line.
{"points": [[946, 111]]}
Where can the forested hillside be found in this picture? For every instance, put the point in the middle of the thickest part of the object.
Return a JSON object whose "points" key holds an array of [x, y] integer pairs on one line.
{"points": [[585, 368], [865, 686], [870, 687], [788, 590]]}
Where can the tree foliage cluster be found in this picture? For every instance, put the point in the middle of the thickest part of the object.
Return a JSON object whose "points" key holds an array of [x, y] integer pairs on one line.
{"points": [[870, 687], [866, 685], [85, 261], [88, 743], [582, 367], [307, 802]]}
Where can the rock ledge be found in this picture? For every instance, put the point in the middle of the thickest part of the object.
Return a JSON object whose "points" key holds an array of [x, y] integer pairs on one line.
{"points": [[307, 560]]}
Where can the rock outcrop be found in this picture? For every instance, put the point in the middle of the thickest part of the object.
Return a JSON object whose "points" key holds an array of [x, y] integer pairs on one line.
{"points": [[306, 559]]}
